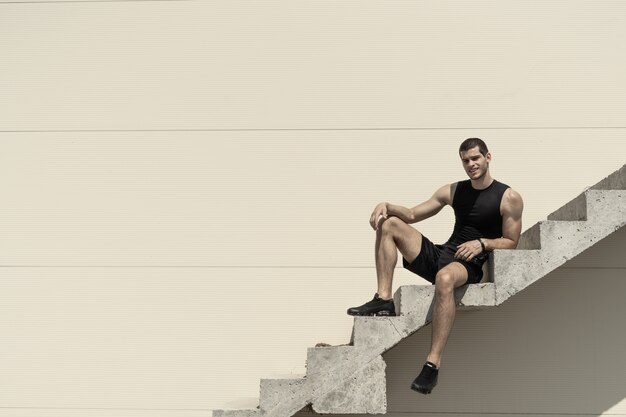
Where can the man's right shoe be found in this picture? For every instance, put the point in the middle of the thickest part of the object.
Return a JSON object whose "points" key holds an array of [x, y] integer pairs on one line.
{"points": [[427, 379], [376, 307]]}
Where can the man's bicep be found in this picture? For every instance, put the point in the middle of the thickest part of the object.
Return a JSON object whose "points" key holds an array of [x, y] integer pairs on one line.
{"points": [[512, 228], [512, 217]]}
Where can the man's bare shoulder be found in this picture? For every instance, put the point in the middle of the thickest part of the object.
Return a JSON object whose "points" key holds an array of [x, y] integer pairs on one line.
{"points": [[512, 202]]}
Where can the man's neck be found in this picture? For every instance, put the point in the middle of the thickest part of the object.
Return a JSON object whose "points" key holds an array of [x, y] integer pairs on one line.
{"points": [[483, 182]]}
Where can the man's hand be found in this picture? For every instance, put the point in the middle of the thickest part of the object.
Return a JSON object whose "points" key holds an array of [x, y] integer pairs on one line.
{"points": [[379, 210], [468, 250]]}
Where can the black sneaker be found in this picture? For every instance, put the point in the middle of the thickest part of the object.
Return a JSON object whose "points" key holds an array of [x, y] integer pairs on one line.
{"points": [[427, 379], [376, 307]]}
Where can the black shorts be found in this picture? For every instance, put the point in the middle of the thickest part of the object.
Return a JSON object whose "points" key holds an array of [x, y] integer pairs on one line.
{"points": [[434, 257]]}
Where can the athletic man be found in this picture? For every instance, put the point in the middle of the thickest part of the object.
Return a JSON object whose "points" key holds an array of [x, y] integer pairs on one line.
{"points": [[488, 216]]}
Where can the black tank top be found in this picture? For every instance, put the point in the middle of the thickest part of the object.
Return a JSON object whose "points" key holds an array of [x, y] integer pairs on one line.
{"points": [[477, 212]]}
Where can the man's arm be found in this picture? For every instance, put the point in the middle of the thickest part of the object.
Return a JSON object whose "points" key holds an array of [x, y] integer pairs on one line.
{"points": [[512, 207], [422, 211]]}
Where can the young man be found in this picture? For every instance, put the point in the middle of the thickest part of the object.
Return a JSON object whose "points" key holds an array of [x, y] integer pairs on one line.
{"points": [[488, 216]]}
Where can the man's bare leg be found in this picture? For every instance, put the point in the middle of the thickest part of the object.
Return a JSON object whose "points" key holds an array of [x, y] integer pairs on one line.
{"points": [[450, 277], [391, 236]]}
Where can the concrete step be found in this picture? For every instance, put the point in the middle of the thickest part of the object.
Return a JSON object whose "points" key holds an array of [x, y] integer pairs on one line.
{"points": [[513, 270], [557, 237], [577, 208], [414, 299], [607, 206], [363, 391], [417, 299], [574, 210], [595, 205], [381, 333], [547, 233], [346, 380], [476, 296], [321, 360], [246, 410], [275, 390], [530, 239]]}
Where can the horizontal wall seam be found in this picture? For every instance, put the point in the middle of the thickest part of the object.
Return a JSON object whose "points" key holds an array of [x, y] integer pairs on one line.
{"points": [[84, 1], [290, 129], [106, 408]]}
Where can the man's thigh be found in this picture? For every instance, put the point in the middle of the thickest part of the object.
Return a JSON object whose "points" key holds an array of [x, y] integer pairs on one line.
{"points": [[408, 240]]}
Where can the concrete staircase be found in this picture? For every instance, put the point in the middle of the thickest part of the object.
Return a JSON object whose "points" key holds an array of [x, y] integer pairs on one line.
{"points": [[351, 379]]}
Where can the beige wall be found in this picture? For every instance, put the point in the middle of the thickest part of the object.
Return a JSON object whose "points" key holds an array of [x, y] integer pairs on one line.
{"points": [[186, 185]]}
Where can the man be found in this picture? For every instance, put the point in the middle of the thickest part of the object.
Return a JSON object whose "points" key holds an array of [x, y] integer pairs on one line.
{"points": [[488, 216]]}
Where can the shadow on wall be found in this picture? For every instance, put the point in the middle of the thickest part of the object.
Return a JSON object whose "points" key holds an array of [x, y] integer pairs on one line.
{"points": [[557, 347]]}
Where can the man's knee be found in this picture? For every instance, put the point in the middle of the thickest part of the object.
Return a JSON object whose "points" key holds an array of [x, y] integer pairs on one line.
{"points": [[444, 282], [392, 225]]}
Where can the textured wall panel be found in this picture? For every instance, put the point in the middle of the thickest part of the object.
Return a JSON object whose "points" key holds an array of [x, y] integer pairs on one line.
{"points": [[312, 64], [258, 198]]}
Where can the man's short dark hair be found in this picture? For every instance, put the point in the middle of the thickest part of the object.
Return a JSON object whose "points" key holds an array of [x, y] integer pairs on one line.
{"points": [[472, 143]]}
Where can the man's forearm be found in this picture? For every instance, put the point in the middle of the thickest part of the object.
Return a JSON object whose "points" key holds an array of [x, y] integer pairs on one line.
{"points": [[400, 212], [500, 243]]}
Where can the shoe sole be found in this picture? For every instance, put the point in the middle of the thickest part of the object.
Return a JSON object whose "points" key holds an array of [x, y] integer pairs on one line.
{"points": [[421, 390], [385, 314], [379, 314]]}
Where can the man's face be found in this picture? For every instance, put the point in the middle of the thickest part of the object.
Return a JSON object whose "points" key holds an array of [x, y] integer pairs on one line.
{"points": [[474, 163]]}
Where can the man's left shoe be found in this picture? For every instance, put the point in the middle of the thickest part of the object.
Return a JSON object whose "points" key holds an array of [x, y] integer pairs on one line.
{"points": [[427, 379], [376, 307]]}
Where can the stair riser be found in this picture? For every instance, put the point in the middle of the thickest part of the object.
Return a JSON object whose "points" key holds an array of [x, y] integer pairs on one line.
{"points": [[275, 391], [417, 299], [607, 207], [381, 332], [322, 360], [513, 270], [565, 239], [363, 392], [413, 299], [329, 365], [236, 413], [530, 239], [575, 210]]}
